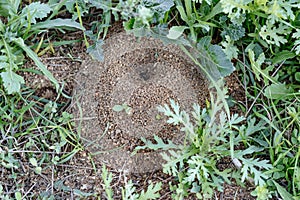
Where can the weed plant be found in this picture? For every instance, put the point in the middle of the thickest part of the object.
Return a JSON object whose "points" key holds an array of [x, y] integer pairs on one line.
{"points": [[33, 134]]}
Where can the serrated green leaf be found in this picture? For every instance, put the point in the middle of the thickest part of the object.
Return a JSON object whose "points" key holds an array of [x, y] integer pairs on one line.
{"points": [[176, 31], [296, 35], [36, 10], [277, 91], [230, 49], [12, 81], [282, 10], [249, 150], [273, 34], [152, 192], [257, 67], [255, 168], [160, 144]]}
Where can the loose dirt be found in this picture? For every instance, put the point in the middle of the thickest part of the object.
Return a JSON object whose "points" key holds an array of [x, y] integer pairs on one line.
{"points": [[141, 75]]}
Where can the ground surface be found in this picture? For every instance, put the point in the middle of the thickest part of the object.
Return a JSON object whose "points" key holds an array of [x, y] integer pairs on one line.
{"points": [[141, 75]]}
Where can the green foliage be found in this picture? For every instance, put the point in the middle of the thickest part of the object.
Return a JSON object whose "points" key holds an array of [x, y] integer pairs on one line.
{"points": [[274, 35], [37, 134], [234, 32], [159, 144], [278, 91], [129, 192], [107, 178], [19, 25], [261, 37], [194, 162], [125, 107], [214, 59]]}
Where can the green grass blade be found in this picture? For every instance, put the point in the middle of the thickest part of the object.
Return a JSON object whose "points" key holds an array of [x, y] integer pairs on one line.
{"points": [[34, 57], [58, 23]]}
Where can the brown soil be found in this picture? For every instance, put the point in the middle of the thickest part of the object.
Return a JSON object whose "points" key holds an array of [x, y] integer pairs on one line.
{"points": [[141, 75]]}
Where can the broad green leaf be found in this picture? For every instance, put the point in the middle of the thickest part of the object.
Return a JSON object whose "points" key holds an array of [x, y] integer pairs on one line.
{"points": [[277, 91], [282, 56], [282, 191], [176, 31], [160, 7], [67, 24], [12, 81], [96, 50], [36, 10], [145, 14], [214, 59], [34, 57]]}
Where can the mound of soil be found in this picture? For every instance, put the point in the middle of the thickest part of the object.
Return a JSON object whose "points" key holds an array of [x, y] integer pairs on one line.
{"points": [[140, 75]]}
